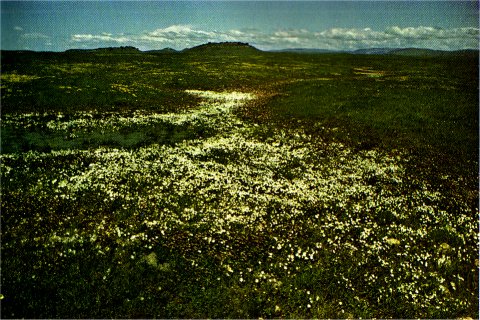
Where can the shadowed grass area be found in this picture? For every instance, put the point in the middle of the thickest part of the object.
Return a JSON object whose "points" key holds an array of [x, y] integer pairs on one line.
{"points": [[393, 114], [425, 105]]}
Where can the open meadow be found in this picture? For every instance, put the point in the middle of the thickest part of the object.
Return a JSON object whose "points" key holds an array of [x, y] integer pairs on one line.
{"points": [[227, 182]]}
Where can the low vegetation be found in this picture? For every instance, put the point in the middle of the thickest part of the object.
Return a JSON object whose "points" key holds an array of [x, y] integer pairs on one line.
{"points": [[226, 182]]}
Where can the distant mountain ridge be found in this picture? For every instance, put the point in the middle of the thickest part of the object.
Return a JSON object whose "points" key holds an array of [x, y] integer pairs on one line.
{"points": [[126, 49], [432, 53], [244, 48], [414, 52], [373, 51], [165, 50], [306, 50]]}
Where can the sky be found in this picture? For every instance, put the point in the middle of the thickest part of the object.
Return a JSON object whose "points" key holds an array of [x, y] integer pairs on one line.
{"points": [[267, 25]]}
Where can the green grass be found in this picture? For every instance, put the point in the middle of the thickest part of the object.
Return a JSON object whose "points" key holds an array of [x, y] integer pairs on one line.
{"points": [[424, 105], [342, 186], [375, 114]]}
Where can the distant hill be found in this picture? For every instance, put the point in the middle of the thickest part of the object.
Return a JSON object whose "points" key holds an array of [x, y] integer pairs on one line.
{"points": [[121, 50], [305, 50], [415, 52], [373, 51], [223, 47], [240, 48], [165, 50]]}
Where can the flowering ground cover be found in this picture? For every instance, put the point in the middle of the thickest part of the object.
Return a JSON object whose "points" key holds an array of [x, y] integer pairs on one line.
{"points": [[225, 209]]}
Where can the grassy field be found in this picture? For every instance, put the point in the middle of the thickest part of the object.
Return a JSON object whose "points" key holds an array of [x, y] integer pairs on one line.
{"points": [[226, 182]]}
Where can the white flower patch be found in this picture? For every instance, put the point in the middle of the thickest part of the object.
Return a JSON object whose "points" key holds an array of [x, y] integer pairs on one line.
{"points": [[232, 184], [218, 104]]}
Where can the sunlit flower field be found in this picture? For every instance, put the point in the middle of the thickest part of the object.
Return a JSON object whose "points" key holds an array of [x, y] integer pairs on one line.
{"points": [[205, 214]]}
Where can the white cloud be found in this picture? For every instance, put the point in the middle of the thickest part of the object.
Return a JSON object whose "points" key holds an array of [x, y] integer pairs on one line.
{"points": [[17, 28], [104, 37], [431, 33], [34, 36], [180, 31], [352, 34], [182, 36]]}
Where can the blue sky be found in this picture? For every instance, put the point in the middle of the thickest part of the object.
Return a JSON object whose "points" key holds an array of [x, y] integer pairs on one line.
{"points": [[337, 25]]}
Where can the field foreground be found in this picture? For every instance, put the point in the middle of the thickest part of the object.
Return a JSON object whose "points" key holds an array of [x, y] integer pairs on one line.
{"points": [[204, 213]]}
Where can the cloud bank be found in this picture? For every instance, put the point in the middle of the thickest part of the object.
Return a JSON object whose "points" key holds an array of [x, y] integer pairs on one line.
{"points": [[184, 36]]}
